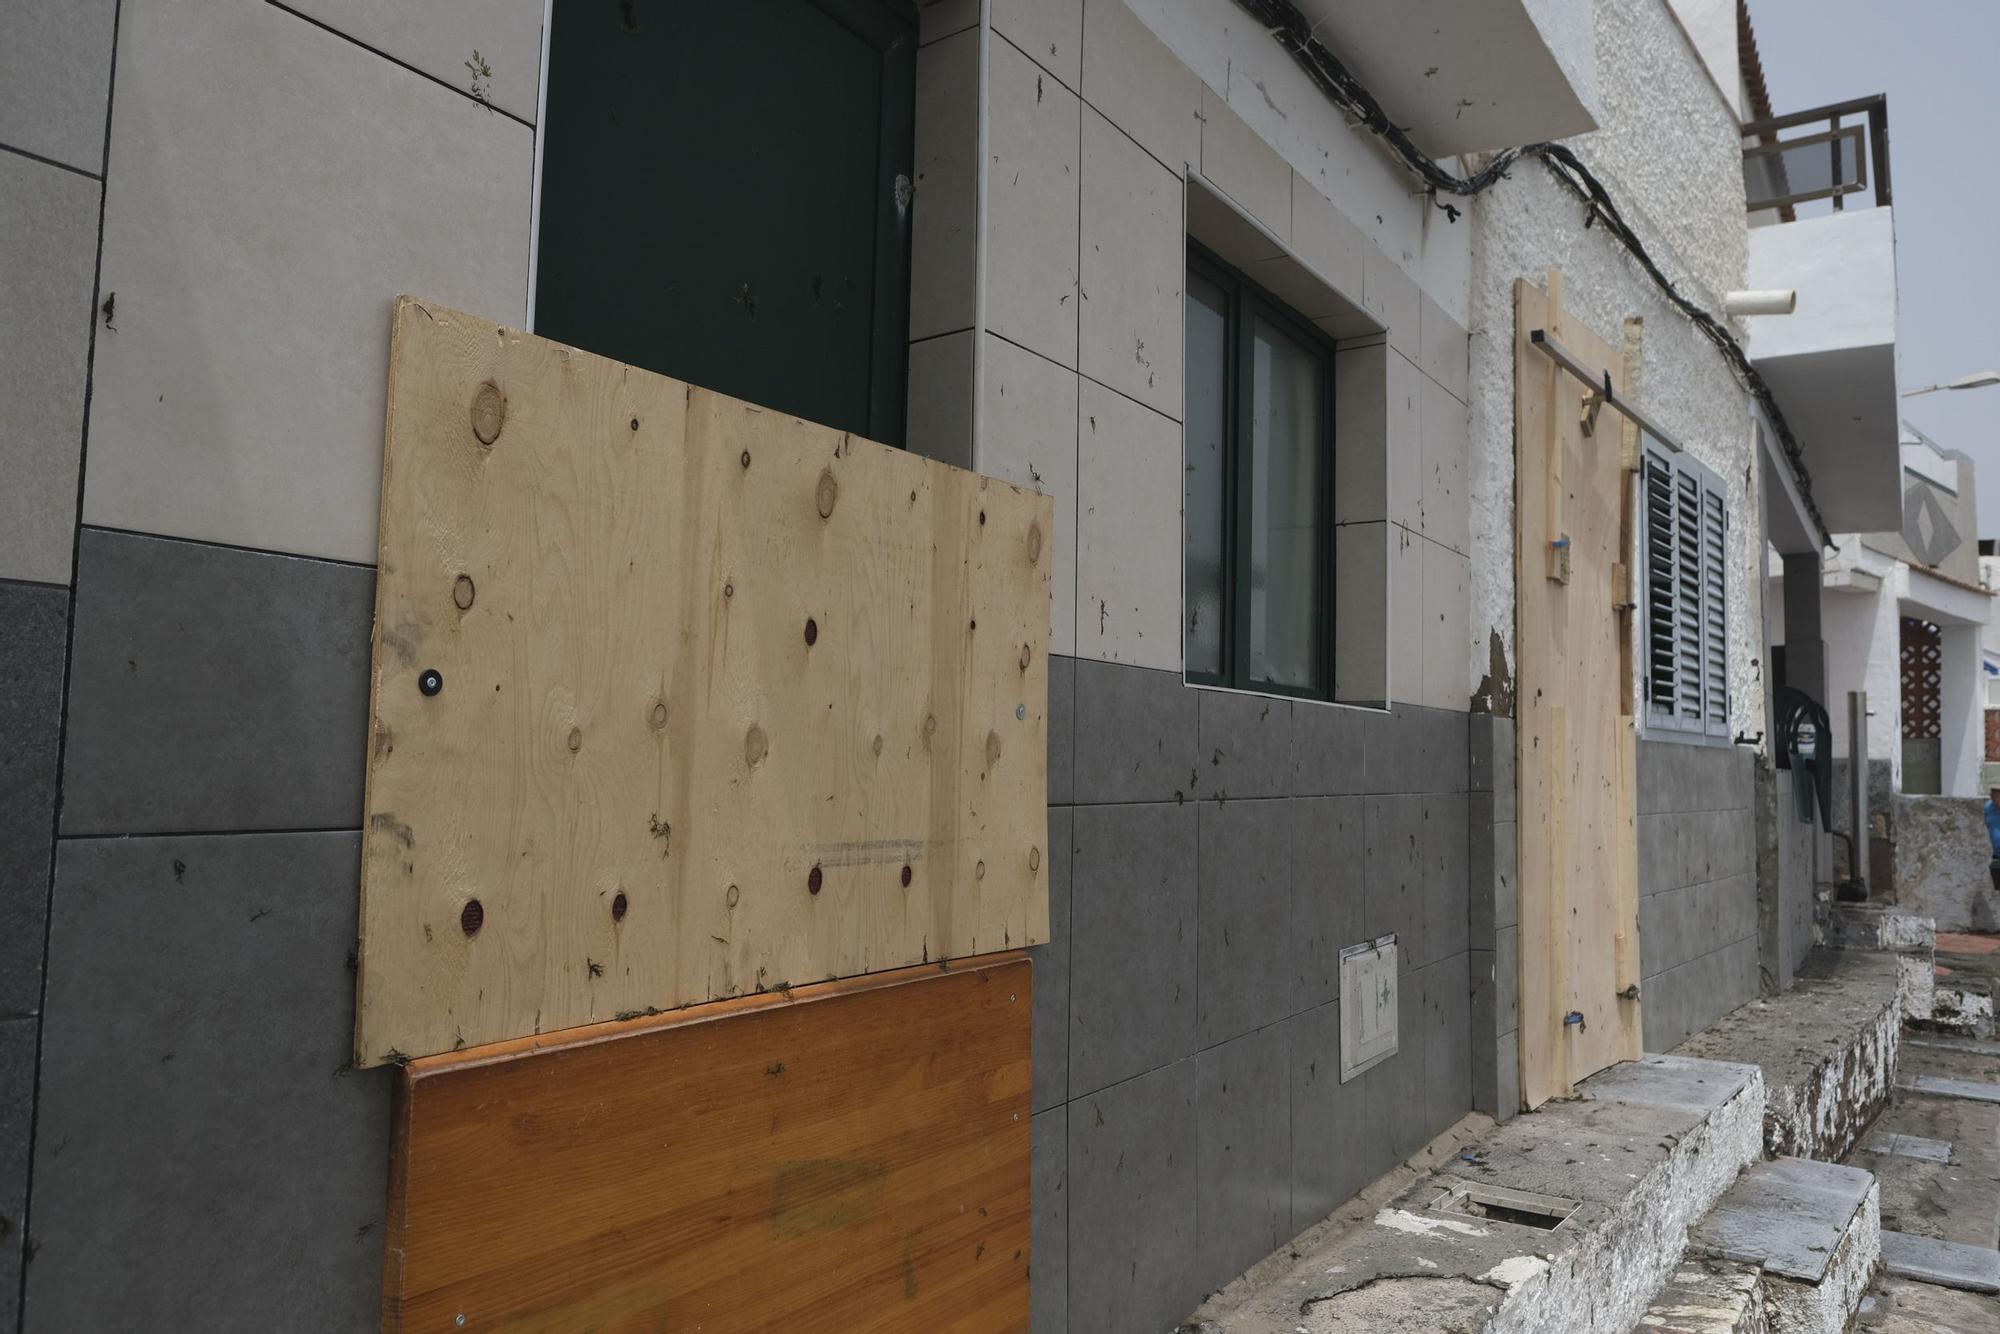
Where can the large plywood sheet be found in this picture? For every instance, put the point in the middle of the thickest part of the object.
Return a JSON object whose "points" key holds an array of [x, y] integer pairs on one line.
{"points": [[725, 701], [1577, 877], [852, 1157]]}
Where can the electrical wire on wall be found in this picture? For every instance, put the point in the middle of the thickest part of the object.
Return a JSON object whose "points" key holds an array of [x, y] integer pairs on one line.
{"points": [[1294, 32]]}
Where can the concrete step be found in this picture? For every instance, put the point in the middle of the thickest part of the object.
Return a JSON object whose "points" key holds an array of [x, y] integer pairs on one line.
{"points": [[1911, 939], [1814, 1231], [1708, 1297], [1828, 1049], [1948, 1264], [1573, 1217]]}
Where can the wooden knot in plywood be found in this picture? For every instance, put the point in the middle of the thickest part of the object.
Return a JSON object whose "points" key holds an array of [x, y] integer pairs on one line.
{"points": [[992, 749], [489, 412], [1034, 543], [755, 746], [659, 717], [827, 493]]}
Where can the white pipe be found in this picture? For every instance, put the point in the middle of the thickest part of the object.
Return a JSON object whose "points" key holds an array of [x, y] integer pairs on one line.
{"points": [[1770, 301]]}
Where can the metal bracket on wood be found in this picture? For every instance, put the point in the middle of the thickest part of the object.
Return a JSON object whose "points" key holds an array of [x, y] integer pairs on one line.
{"points": [[1601, 392]]}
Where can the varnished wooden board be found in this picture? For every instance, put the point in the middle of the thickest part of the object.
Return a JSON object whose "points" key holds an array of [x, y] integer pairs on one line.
{"points": [[1577, 878], [728, 700], [851, 1157]]}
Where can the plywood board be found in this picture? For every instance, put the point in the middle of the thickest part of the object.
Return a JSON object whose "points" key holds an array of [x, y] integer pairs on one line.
{"points": [[852, 1157], [1577, 878], [723, 700]]}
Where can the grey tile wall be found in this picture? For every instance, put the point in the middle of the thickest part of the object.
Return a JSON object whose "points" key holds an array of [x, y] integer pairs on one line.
{"points": [[55, 78], [17, 1110], [1492, 961], [195, 1123], [1697, 886], [1225, 847], [215, 689], [34, 623], [1048, 1265]]}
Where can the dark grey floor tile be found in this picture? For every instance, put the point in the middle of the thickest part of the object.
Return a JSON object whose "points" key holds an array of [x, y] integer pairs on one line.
{"points": [[1483, 979], [1446, 875], [1446, 766], [1395, 1090], [1048, 1256], [1336, 1149], [1326, 843], [34, 628], [1132, 1163], [1062, 730], [215, 689], [1327, 752], [1244, 1148], [1507, 979], [1479, 877], [193, 1123], [1245, 915], [1137, 734], [17, 1114], [1132, 942], [1507, 1075], [1479, 746], [1248, 748], [1051, 1038], [1393, 874]]}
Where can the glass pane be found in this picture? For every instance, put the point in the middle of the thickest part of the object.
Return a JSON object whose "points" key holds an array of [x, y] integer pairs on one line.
{"points": [[1287, 546], [1802, 171], [1203, 492]]}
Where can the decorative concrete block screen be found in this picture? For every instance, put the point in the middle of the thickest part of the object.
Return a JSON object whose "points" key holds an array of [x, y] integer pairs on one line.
{"points": [[678, 698]]}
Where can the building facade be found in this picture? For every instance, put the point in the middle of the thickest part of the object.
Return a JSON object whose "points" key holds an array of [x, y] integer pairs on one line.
{"points": [[1132, 256]]}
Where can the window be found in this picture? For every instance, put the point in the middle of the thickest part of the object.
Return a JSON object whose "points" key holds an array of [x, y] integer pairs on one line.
{"points": [[1686, 592], [725, 198], [1256, 489]]}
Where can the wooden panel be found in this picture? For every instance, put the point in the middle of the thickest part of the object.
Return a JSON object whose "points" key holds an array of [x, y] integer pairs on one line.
{"points": [[1577, 877], [729, 701], [851, 1157]]}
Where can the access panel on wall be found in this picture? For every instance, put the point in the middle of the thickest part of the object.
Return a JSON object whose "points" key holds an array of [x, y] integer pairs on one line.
{"points": [[677, 697]]}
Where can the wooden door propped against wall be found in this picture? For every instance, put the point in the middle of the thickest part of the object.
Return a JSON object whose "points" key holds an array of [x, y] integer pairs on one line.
{"points": [[1578, 871]]}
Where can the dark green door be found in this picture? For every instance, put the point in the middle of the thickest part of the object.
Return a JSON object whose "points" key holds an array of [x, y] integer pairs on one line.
{"points": [[725, 197]]}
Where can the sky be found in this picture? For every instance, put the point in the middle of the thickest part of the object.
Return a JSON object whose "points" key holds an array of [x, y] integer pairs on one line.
{"points": [[1939, 62]]}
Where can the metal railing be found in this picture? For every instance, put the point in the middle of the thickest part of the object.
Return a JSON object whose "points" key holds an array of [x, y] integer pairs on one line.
{"points": [[1836, 161]]}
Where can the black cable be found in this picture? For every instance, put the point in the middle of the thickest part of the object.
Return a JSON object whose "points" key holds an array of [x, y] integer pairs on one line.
{"points": [[1293, 31]]}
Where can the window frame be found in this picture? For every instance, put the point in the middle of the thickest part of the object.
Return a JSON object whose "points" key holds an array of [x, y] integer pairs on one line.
{"points": [[1711, 608], [1247, 301]]}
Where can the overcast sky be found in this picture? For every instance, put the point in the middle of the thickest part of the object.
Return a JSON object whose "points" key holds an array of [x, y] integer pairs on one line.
{"points": [[1939, 62]]}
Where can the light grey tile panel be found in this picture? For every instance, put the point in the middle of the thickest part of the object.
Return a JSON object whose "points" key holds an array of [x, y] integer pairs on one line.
{"points": [[1447, 1044], [1248, 744], [439, 37], [1392, 868], [944, 211], [34, 625], [1132, 942], [1132, 1165], [47, 266], [1326, 837], [1245, 915], [17, 1110], [1244, 1144], [1688, 998], [1033, 138], [1327, 749], [939, 404], [1669, 928], [1136, 734], [55, 79], [215, 689], [193, 1121], [1445, 874], [1051, 1036], [1729, 910], [1662, 858], [1048, 1256], [275, 187], [1062, 730], [1336, 1149]]}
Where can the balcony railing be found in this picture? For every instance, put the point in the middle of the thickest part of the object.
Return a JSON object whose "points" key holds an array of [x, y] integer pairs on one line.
{"points": [[1832, 162]]}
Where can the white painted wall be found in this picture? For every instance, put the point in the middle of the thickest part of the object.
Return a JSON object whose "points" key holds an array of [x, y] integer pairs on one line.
{"points": [[1711, 28], [1670, 153], [1843, 266]]}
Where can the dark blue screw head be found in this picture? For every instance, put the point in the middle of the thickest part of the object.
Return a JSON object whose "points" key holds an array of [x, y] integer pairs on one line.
{"points": [[430, 682]]}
